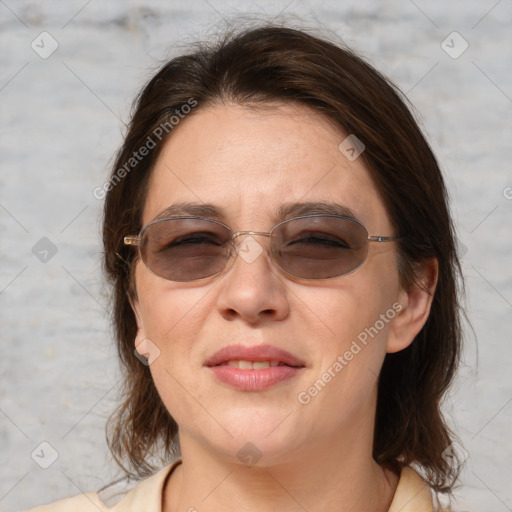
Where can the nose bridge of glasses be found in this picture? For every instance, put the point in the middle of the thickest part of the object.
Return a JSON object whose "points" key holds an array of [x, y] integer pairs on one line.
{"points": [[249, 250], [239, 233]]}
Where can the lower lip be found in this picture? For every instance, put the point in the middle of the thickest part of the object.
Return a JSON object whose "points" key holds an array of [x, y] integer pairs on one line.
{"points": [[254, 380]]}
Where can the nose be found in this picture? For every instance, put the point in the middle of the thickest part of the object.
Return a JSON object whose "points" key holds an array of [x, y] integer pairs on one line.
{"points": [[252, 288]]}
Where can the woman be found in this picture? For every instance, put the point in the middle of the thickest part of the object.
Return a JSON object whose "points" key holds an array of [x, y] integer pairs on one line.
{"points": [[284, 277]]}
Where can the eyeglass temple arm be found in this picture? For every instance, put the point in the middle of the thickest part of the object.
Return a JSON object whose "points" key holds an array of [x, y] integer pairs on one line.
{"points": [[131, 240], [383, 238]]}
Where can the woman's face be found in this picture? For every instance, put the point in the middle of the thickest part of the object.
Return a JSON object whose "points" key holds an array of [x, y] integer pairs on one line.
{"points": [[248, 163]]}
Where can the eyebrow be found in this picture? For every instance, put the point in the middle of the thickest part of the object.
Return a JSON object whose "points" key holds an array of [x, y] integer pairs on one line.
{"points": [[314, 207], [195, 209], [286, 210]]}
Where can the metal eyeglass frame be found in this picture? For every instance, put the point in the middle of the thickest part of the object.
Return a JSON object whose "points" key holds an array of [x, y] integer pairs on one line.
{"points": [[135, 240]]}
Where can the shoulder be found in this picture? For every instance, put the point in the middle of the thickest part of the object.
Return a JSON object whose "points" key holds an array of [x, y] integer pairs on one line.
{"points": [[413, 494], [89, 502], [146, 495]]}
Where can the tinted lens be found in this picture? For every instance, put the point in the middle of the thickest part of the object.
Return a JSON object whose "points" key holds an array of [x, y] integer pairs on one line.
{"points": [[320, 247], [185, 249]]}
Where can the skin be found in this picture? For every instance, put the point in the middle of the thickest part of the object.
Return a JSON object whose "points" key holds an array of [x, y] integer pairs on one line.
{"points": [[318, 456]]}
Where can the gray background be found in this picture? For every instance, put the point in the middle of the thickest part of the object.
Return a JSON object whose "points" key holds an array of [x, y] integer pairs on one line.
{"points": [[62, 118]]}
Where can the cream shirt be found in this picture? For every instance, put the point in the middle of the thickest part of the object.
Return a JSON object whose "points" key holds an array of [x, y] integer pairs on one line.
{"points": [[412, 495]]}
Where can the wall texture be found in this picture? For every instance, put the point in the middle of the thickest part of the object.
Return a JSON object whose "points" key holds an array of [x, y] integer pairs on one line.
{"points": [[68, 73]]}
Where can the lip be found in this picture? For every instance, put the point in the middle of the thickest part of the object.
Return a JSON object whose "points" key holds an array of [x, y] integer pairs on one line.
{"points": [[253, 379], [253, 353]]}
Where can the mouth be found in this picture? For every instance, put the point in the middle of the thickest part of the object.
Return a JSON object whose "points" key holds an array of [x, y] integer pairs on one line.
{"points": [[253, 357], [254, 368], [252, 365]]}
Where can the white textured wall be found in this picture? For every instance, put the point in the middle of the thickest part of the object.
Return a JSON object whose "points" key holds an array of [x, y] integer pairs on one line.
{"points": [[61, 120]]}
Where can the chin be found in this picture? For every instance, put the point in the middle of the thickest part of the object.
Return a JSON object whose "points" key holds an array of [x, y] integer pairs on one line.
{"points": [[258, 439]]}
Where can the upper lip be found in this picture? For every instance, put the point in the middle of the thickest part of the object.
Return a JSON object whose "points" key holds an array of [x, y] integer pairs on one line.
{"points": [[253, 353]]}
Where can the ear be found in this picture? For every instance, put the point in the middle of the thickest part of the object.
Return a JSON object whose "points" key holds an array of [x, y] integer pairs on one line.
{"points": [[416, 303], [140, 338]]}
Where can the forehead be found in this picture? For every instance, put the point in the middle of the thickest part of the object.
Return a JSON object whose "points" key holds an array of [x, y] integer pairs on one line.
{"points": [[253, 165]]}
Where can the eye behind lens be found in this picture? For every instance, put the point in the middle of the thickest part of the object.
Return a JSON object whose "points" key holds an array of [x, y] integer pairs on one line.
{"points": [[320, 248]]}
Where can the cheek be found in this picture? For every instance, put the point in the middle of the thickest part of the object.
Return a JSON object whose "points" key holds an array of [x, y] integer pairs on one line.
{"points": [[166, 306], [356, 316], [356, 309], [172, 315], [343, 382], [356, 346]]}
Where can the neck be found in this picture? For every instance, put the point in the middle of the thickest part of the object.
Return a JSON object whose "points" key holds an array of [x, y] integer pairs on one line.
{"points": [[319, 479]]}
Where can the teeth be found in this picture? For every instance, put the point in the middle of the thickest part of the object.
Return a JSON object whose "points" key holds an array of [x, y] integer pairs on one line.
{"points": [[259, 365], [250, 365]]}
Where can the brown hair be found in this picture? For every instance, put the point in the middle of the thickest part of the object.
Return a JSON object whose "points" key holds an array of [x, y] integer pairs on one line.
{"points": [[274, 63]]}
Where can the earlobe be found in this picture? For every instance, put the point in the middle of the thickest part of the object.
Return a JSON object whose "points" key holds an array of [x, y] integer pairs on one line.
{"points": [[416, 303], [141, 344]]}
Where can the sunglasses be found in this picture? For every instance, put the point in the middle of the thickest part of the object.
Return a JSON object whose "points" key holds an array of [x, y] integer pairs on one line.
{"points": [[309, 247]]}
